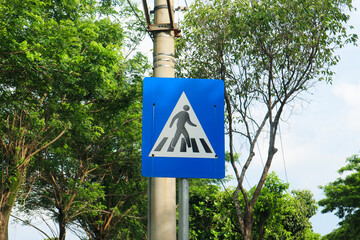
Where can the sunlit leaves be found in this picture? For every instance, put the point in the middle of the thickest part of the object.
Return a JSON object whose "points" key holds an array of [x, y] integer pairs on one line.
{"points": [[278, 214], [66, 79], [343, 198]]}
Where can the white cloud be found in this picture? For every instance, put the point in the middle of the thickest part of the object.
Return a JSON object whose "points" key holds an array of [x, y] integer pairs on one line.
{"points": [[349, 93]]}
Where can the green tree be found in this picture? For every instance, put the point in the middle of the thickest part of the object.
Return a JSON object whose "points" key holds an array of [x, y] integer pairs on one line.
{"points": [[268, 53], [269, 208], [92, 178], [211, 213], [277, 214], [59, 62], [124, 206], [343, 198]]}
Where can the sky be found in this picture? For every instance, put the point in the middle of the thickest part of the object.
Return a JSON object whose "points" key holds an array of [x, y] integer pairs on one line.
{"points": [[322, 133], [316, 138]]}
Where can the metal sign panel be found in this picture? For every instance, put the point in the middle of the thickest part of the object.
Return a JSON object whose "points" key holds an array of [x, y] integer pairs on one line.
{"points": [[183, 128]]}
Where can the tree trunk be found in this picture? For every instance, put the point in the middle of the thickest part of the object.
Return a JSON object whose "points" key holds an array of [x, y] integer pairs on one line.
{"points": [[62, 224], [248, 223], [62, 231], [9, 197], [247, 233], [4, 223]]}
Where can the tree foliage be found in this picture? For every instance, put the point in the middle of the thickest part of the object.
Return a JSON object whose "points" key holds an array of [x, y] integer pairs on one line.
{"points": [[66, 77], [278, 214], [211, 211], [268, 53], [123, 207], [343, 198]]}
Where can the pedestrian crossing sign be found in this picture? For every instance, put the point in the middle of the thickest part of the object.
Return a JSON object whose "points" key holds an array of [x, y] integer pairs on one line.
{"points": [[183, 128]]}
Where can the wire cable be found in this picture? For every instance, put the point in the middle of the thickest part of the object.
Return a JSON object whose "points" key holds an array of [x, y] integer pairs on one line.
{"points": [[241, 168], [138, 17], [257, 143], [223, 185], [283, 155]]}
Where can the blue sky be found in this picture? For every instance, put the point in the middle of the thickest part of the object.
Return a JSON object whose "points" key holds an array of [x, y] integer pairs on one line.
{"points": [[321, 134], [317, 137]]}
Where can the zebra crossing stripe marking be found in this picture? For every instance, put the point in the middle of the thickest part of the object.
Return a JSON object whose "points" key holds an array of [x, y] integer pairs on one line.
{"points": [[161, 144], [194, 146], [206, 147], [183, 145]]}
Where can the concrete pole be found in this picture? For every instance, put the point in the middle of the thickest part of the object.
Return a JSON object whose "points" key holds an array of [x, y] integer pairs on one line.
{"points": [[164, 43], [163, 190]]}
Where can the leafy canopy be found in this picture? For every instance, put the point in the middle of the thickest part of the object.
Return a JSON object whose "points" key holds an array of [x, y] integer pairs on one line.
{"points": [[343, 198]]}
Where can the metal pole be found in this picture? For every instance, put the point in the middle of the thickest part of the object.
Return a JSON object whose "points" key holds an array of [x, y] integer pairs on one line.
{"points": [[149, 209], [184, 209], [163, 190]]}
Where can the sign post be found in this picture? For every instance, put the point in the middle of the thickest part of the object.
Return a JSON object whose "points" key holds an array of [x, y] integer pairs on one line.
{"points": [[183, 134], [183, 209], [174, 136]]}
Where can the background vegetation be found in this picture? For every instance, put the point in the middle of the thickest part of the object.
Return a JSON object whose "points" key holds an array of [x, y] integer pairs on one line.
{"points": [[70, 114]]}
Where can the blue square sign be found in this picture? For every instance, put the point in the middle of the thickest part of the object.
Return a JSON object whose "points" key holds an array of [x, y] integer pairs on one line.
{"points": [[183, 128]]}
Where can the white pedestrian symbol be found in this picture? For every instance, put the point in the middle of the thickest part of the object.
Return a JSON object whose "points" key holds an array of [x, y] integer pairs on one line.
{"points": [[194, 142]]}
